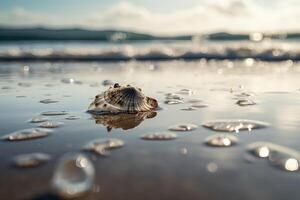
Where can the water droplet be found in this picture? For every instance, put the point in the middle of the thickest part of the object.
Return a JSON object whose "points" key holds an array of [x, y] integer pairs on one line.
{"points": [[47, 101], [278, 156], [74, 176], [27, 134], [221, 140], [102, 146], [6, 88], [185, 92], [249, 62], [78, 82], [244, 94], [198, 105], [256, 37], [26, 68], [260, 149], [94, 85], [172, 102], [173, 96], [49, 85], [159, 136], [183, 127], [212, 167], [72, 117], [194, 101], [31, 159], [234, 125], [21, 84], [184, 151], [245, 102], [291, 164], [188, 109], [51, 124], [67, 80], [38, 119], [52, 113]]}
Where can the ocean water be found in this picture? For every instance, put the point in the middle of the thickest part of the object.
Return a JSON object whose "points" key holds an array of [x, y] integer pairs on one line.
{"points": [[154, 161], [191, 48]]}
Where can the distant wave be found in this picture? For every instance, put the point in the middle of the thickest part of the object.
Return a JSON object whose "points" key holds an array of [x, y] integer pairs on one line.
{"points": [[38, 34], [119, 54]]}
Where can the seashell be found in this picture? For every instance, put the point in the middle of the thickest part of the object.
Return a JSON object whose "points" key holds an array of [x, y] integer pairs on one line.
{"points": [[122, 99]]}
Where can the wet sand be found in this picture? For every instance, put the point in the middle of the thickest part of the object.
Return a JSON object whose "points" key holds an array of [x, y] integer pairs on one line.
{"points": [[181, 168]]}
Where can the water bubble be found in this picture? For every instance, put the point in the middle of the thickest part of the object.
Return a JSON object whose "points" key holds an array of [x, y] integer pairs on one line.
{"points": [[183, 127], [38, 119], [159, 136], [72, 117], [47, 101], [278, 156], [245, 102], [236, 125], [27, 134], [53, 113], [74, 176], [221, 140], [31, 159], [102, 146], [51, 124]]}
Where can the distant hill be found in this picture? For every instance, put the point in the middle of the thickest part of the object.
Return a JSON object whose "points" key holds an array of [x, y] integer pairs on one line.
{"points": [[28, 34], [9, 34]]}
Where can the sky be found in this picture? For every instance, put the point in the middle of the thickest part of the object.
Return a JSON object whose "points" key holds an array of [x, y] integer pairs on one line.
{"points": [[155, 16]]}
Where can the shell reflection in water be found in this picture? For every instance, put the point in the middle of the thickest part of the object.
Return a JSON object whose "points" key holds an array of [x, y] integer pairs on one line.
{"points": [[279, 156], [123, 120], [74, 176]]}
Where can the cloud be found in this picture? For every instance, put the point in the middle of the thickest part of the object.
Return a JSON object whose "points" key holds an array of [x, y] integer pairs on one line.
{"points": [[229, 15], [208, 16]]}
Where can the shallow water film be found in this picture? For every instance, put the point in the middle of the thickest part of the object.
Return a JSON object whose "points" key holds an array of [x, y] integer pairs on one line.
{"points": [[224, 130]]}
